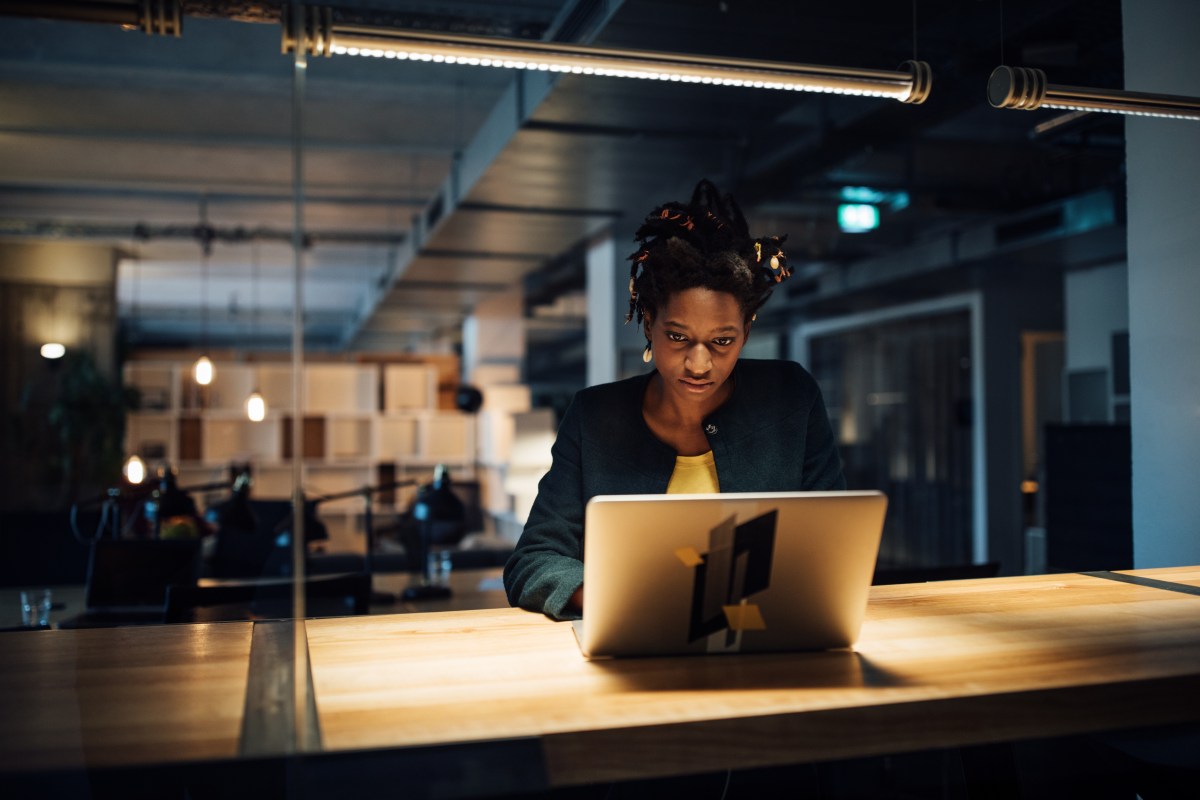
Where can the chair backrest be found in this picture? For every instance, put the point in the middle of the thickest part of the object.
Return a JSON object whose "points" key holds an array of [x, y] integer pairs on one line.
{"points": [[324, 596], [134, 574], [470, 492]]}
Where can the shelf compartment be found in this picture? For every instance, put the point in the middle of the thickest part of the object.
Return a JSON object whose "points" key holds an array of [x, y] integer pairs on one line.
{"points": [[448, 437], [396, 439], [348, 438], [312, 437], [409, 386], [155, 384], [345, 388], [234, 439], [150, 436], [275, 384]]}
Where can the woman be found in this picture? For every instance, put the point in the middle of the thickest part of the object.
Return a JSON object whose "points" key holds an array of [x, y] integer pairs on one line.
{"points": [[701, 421]]}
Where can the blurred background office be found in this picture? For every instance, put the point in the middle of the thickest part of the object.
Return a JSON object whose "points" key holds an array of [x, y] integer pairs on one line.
{"points": [[999, 304]]}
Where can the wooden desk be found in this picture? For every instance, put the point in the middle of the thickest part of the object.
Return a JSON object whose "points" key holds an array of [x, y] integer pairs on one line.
{"points": [[122, 696], [937, 665]]}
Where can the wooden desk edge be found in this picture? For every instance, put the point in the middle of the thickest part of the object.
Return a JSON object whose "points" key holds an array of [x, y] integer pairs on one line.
{"points": [[743, 743]]}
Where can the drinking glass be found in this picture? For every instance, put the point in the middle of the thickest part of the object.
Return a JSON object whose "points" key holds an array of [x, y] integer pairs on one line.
{"points": [[35, 608]]}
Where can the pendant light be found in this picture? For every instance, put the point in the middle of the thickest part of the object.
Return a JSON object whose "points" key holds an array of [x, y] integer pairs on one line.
{"points": [[256, 404], [54, 348], [203, 370], [134, 469]]}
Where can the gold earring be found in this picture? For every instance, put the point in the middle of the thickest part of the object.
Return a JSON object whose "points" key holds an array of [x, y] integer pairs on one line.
{"points": [[646, 354]]}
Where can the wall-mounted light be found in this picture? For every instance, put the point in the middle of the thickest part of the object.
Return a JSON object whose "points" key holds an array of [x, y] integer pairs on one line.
{"points": [[321, 36], [1026, 88], [53, 350]]}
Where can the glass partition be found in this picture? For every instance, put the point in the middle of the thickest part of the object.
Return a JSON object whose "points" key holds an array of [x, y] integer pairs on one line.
{"points": [[900, 398]]}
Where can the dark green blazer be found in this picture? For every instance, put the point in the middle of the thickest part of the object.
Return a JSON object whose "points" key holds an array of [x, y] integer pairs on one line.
{"points": [[771, 435]]}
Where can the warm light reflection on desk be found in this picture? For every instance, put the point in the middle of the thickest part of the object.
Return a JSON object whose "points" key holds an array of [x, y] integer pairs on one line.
{"points": [[115, 696]]}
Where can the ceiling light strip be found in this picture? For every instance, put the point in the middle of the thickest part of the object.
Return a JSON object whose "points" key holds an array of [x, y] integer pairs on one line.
{"points": [[911, 85], [1027, 89]]}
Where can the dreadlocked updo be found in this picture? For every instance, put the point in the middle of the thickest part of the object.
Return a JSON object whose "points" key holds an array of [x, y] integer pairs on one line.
{"points": [[707, 244]]}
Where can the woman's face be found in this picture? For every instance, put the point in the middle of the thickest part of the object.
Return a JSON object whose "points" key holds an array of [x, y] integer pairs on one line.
{"points": [[697, 336]]}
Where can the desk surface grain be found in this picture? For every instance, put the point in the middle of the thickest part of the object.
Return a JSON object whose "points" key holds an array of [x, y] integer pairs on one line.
{"points": [[116, 696], [936, 665]]}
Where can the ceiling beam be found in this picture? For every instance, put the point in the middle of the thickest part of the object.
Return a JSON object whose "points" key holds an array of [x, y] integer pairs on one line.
{"points": [[515, 106]]}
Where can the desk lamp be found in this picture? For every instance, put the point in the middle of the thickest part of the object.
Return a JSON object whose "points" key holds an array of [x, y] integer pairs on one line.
{"points": [[235, 513], [173, 510], [441, 520]]}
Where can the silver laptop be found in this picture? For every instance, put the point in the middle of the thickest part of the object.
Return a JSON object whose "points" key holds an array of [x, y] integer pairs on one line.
{"points": [[727, 573]]}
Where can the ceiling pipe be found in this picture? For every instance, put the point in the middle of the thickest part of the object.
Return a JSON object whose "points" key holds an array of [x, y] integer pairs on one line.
{"points": [[164, 16], [201, 233], [155, 17]]}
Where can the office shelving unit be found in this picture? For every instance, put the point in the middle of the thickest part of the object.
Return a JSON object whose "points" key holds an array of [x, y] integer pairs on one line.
{"points": [[362, 425]]}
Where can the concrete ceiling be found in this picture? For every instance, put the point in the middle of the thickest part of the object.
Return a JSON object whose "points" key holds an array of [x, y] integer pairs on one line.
{"points": [[429, 187]]}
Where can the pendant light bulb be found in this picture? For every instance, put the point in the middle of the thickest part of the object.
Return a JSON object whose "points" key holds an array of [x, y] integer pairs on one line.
{"points": [[256, 406], [203, 371], [53, 350], [134, 470]]}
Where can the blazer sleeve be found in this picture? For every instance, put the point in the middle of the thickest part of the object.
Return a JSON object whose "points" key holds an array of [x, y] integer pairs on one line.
{"points": [[546, 566], [822, 462]]}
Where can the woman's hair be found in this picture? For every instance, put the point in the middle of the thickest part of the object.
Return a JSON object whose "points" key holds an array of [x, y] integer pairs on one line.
{"points": [[705, 243]]}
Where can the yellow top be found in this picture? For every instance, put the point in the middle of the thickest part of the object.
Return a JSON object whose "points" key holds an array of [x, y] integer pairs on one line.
{"points": [[694, 475]]}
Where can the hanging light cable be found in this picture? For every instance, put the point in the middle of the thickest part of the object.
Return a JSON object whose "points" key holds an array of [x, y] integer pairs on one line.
{"points": [[256, 404], [1027, 89], [53, 349], [134, 469], [321, 36], [203, 370]]}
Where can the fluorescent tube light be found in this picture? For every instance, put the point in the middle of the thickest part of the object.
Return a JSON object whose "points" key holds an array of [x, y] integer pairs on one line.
{"points": [[1026, 88], [322, 37]]}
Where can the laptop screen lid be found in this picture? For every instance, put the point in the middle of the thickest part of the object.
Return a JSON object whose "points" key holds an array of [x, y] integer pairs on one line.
{"points": [[727, 573], [132, 575]]}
